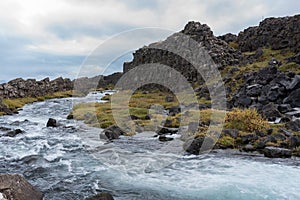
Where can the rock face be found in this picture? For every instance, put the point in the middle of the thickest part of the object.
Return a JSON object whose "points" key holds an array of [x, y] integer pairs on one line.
{"points": [[220, 52], [15, 187], [19, 87], [278, 33]]}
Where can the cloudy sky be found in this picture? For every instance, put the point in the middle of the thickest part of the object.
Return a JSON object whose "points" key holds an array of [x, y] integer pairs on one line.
{"points": [[40, 38]]}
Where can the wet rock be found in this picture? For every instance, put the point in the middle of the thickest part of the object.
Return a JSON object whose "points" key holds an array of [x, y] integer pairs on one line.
{"points": [[197, 145], [165, 130], [13, 133], [275, 152], [133, 117], [70, 116], [101, 196], [112, 132], [52, 123], [164, 138], [15, 187], [293, 99]]}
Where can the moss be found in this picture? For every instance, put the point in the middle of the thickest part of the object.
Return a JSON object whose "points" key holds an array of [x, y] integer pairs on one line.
{"points": [[233, 45]]}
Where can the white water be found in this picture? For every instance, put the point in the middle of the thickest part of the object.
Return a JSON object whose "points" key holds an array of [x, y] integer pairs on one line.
{"points": [[72, 163]]}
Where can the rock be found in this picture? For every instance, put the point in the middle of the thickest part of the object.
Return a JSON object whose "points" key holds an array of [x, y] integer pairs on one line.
{"points": [[254, 90], [15, 187], [261, 144], [295, 113], [163, 138], [165, 130], [111, 133], [270, 112], [70, 116], [52, 123], [13, 133], [283, 108], [295, 58], [231, 132], [275, 152], [294, 141], [133, 117], [101, 196], [249, 147], [277, 33], [197, 146], [169, 99], [250, 137], [293, 99], [285, 132], [295, 84], [174, 110], [274, 62], [293, 125]]}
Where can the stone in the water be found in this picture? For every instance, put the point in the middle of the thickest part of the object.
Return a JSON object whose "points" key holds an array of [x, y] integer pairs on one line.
{"points": [[199, 145], [101, 196], [15, 187], [13, 133], [111, 133], [163, 138], [275, 152], [52, 123]]}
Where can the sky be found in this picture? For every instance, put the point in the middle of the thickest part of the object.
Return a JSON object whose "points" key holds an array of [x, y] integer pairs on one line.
{"points": [[52, 38]]}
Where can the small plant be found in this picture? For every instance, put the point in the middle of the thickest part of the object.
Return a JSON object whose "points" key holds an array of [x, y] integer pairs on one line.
{"points": [[226, 142], [247, 120]]}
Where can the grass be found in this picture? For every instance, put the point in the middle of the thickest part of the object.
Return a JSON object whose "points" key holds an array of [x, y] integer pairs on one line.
{"points": [[20, 102]]}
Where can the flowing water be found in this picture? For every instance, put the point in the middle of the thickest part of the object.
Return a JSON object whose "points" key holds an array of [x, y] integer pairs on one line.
{"points": [[71, 162]]}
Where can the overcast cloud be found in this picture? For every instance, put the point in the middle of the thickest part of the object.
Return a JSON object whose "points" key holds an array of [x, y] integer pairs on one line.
{"points": [[40, 38]]}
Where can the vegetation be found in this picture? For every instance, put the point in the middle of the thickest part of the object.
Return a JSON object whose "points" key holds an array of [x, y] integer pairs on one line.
{"points": [[20, 102], [247, 120]]}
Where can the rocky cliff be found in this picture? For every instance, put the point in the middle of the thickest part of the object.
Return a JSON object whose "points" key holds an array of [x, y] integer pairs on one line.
{"points": [[277, 33]]}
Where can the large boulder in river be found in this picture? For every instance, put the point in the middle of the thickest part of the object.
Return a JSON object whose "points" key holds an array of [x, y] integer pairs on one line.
{"points": [[111, 133], [15, 187], [52, 123], [199, 145]]}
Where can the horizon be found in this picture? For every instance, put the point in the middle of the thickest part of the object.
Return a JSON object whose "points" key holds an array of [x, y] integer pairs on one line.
{"points": [[51, 39]]}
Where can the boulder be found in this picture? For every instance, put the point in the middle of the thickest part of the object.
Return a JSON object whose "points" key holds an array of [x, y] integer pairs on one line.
{"points": [[16, 187], [169, 99], [231, 132], [293, 125], [101, 196], [164, 138], [270, 112], [197, 145], [111, 133], [295, 58], [249, 147], [294, 141], [165, 130], [174, 110], [293, 99], [295, 84], [52, 123], [275, 152]]}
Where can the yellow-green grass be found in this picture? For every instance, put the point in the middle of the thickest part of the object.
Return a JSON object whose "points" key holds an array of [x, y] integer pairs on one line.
{"points": [[16, 103]]}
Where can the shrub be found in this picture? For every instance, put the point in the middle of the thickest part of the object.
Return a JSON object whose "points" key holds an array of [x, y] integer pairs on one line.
{"points": [[247, 120]]}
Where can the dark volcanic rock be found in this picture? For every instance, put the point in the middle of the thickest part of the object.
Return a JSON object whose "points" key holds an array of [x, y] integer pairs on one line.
{"points": [[197, 146], [164, 138], [293, 99], [166, 130], [295, 58], [274, 152], [13, 133], [15, 187], [270, 112], [52, 123], [111, 133], [278, 33]]}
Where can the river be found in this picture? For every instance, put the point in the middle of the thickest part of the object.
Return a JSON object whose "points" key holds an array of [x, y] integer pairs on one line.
{"points": [[71, 162]]}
